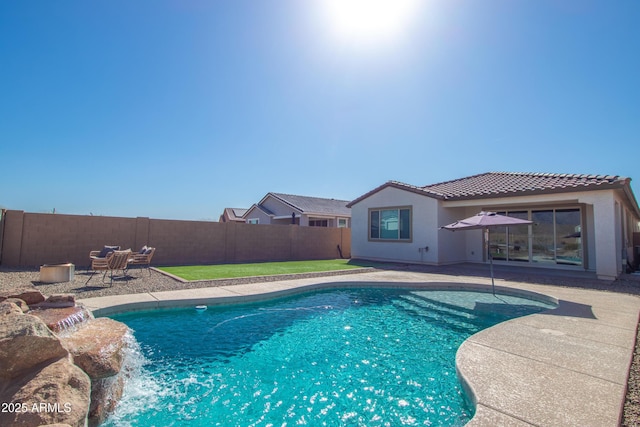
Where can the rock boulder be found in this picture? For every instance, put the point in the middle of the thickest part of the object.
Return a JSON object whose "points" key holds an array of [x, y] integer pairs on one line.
{"points": [[57, 393], [7, 307], [98, 347], [18, 302], [59, 301], [30, 295], [25, 342], [105, 395]]}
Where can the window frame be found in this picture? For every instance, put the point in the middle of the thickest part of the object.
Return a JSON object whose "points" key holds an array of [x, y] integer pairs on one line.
{"points": [[398, 239]]}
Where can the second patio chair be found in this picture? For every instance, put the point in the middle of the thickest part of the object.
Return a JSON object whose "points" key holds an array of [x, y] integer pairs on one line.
{"points": [[142, 258], [114, 261]]}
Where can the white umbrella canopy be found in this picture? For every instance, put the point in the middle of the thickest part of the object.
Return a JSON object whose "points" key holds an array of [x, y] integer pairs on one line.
{"points": [[484, 221]]}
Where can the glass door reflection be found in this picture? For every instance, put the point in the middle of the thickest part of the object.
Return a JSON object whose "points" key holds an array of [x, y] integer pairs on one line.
{"points": [[543, 241], [518, 238]]}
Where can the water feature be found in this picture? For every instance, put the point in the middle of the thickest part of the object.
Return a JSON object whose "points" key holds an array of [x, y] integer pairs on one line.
{"points": [[62, 320], [339, 357]]}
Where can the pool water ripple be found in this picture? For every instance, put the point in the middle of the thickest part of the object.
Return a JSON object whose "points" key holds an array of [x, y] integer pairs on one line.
{"points": [[340, 357]]}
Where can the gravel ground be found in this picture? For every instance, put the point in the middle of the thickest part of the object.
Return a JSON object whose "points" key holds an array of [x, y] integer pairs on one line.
{"points": [[140, 281]]}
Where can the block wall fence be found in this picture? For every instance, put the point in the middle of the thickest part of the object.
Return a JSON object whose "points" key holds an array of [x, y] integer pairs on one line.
{"points": [[33, 239]]}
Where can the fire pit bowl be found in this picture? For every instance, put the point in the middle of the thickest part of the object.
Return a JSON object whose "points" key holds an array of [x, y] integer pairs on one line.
{"points": [[56, 273]]}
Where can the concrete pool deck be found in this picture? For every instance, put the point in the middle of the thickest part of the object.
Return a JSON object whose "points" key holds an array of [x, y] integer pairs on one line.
{"points": [[563, 367]]}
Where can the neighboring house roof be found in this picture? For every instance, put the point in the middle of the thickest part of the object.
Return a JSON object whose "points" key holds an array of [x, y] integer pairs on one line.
{"points": [[238, 212], [507, 184], [233, 214], [313, 205], [259, 207]]}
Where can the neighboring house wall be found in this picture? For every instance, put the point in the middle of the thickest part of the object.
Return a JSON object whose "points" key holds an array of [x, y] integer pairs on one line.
{"points": [[332, 221], [232, 215], [256, 213], [278, 208], [309, 211]]}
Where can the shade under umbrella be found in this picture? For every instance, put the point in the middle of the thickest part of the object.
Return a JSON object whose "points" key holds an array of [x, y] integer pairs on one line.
{"points": [[484, 221]]}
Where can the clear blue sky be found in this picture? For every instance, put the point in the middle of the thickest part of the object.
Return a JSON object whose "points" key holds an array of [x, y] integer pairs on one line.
{"points": [[178, 108]]}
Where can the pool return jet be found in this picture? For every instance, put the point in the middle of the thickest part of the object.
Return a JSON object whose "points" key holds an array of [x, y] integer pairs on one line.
{"points": [[484, 221]]}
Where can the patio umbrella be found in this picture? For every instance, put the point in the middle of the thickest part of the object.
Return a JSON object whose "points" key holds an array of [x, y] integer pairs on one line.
{"points": [[484, 221]]}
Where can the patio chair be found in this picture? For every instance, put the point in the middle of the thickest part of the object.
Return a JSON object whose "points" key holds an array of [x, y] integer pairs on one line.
{"points": [[143, 258], [114, 261], [103, 252]]}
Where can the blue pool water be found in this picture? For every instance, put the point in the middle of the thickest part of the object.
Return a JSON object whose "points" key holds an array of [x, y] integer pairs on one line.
{"points": [[370, 357]]}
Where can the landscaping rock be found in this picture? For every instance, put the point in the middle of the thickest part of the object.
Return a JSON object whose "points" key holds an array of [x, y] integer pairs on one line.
{"points": [[18, 302], [57, 393], [59, 301], [30, 295], [105, 395], [98, 347], [25, 342], [7, 307]]}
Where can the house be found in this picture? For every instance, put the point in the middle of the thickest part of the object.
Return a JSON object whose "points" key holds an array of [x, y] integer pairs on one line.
{"points": [[232, 215], [580, 222], [278, 208]]}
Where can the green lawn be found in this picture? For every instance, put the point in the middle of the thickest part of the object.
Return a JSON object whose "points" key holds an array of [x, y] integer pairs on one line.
{"points": [[229, 271]]}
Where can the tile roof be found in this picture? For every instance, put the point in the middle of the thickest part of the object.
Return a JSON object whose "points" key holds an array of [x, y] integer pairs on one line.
{"points": [[505, 184], [316, 205], [493, 184]]}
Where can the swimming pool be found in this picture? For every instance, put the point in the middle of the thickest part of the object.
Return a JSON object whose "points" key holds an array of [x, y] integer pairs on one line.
{"points": [[356, 356]]}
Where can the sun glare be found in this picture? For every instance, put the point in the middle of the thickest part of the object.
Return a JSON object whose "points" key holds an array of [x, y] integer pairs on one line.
{"points": [[369, 21]]}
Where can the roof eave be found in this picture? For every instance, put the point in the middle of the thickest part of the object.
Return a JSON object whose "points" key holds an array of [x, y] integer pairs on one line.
{"points": [[632, 198], [399, 186], [260, 208]]}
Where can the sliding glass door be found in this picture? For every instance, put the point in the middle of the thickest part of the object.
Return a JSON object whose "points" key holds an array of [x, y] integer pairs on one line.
{"points": [[510, 243], [519, 239], [542, 242], [555, 237], [568, 237]]}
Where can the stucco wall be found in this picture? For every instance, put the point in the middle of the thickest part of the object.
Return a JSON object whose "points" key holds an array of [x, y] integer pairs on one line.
{"points": [[32, 239], [445, 247], [278, 208], [608, 220], [262, 217], [424, 228]]}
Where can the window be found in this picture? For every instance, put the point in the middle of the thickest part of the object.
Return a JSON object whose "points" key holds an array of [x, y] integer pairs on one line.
{"points": [[253, 221], [390, 224], [342, 222], [318, 223]]}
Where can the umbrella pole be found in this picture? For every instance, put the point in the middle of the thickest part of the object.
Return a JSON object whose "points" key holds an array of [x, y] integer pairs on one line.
{"points": [[486, 239]]}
